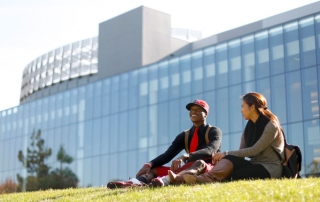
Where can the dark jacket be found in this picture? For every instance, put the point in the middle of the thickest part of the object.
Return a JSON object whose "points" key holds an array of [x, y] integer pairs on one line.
{"points": [[204, 150]]}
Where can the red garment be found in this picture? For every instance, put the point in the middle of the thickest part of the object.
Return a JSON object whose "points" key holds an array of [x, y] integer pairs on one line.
{"points": [[194, 141], [163, 170]]}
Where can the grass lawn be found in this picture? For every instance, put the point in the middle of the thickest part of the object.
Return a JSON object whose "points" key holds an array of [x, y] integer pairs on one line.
{"points": [[258, 190]]}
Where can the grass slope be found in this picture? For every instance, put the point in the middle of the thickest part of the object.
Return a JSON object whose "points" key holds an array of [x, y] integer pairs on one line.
{"points": [[258, 190]]}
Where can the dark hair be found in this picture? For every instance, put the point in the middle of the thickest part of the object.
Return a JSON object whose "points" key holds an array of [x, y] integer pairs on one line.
{"points": [[260, 103]]}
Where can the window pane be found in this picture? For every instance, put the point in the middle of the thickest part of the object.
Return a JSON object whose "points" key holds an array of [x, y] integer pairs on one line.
{"points": [[276, 50], [291, 41], [222, 65], [143, 87], [262, 56], [223, 110], [310, 93], [123, 132], [153, 84], [185, 122], [312, 146], [174, 121], [133, 89], [185, 87], [295, 136], [174, 78], [317, 26], [248, 58], [153, 126], [234, 61], [263, 87], [294, 102], [278, 98], [308, 44], [197, 72], [163, 82], [209, 68], [235, 116], [209, 97], [163, 137]]}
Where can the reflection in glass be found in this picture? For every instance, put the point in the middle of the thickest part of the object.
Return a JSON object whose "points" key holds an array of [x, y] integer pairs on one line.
{"points": [[291, 40], [222, 65], [234, 61], [262, 54], [276, 50], [294, 103], [307, 41], [248, 58], [310, 93]]}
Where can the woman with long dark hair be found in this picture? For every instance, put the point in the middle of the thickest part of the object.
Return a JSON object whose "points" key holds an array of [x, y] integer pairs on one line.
{"points": [[261, 139]]}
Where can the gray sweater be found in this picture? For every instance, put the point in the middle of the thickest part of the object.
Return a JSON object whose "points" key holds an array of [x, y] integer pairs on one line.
{"points": [[262, 153]]}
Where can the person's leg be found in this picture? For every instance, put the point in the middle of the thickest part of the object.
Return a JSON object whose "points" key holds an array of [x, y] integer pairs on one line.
{"points": [[253, 171], [219, 172], [196, 168]]}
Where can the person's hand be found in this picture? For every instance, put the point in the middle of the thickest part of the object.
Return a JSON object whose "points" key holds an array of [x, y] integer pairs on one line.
{"points": [[176, 164], [144, 170], [217, 157]]}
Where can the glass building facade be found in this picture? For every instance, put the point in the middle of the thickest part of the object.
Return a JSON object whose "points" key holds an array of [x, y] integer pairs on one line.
{"points": [[111, 127]]}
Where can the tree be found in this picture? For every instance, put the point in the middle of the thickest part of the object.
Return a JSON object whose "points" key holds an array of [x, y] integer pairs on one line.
{"points": [[34, 162], [63, 178], [39, 176]]}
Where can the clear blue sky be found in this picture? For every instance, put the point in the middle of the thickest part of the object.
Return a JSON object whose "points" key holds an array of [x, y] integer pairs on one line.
{"points": [[31, 28]]}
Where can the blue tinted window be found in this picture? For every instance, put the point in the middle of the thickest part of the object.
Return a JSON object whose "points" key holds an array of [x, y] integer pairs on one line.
{"points": [[96, 136], [124, 92], [123, 134], [143, 87], [278, 97], [222, 107], [143, 127], [88, 138], [209, 68], [185, 73], [163, 123], [185, 122], [133, 129], [105, 128], [235, 117], [113, 133], [248, 58], [197, 72], [294, 103], [311, 146], [276, 50], [310, 93], [174, 78], [307, 41], [96, 177], [295, 135], [114, 96], [222, 65], [59, 109], [133, 89], [153, 126], [74, 106], [209, 97], [163, 82], [262, 54], [291, 41], [317, 27], [153, 84], [174, 121], [234, 61], [66, 108], [263, 87]]}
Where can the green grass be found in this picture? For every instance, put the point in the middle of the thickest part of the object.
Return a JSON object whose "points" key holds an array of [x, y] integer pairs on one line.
{"points": [[259, 190]]}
